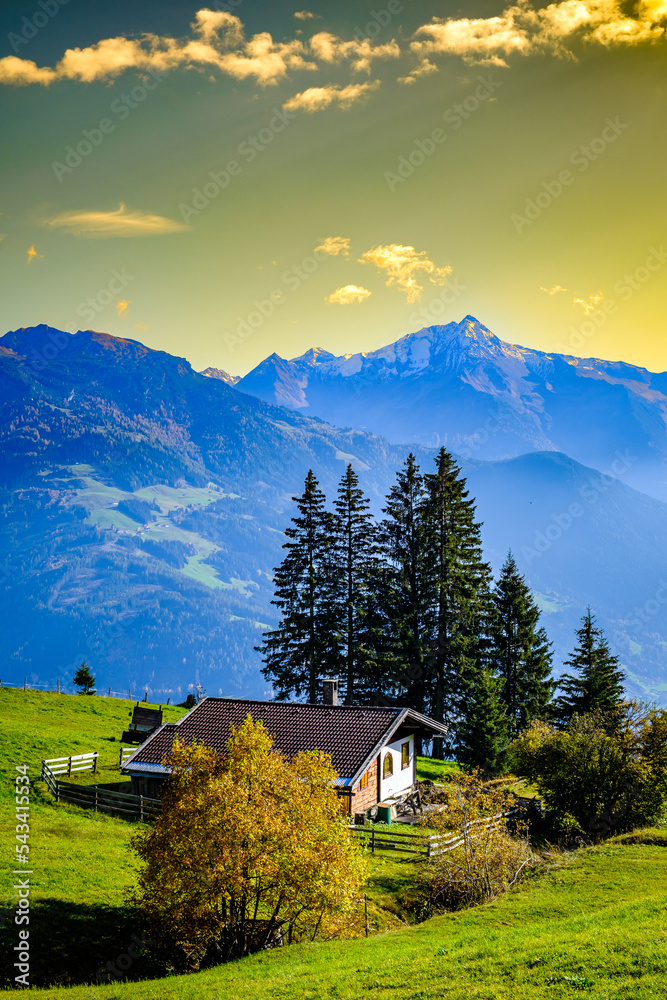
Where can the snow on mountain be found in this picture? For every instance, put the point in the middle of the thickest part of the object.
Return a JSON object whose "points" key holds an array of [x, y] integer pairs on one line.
{"points": [[462, 386]]}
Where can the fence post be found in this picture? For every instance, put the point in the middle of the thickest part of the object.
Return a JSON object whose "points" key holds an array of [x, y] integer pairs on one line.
{"points": [[57, 790], [95, 764], [69, 768], [428, 848], [141, 807], [96, 798], [366, 913]]}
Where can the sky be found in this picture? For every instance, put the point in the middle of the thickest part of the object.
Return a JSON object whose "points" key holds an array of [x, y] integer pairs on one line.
{"points": [[230, 181]]}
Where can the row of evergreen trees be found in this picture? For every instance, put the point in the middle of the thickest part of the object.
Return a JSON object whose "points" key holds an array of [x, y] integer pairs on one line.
{"points": [[405, 611]]}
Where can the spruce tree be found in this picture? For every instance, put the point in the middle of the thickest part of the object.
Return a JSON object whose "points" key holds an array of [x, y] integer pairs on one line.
{"points": [[84, 680], [520, 650], [302, 647], [482, 736], [404, 543], [458, 593], [355, 616], [598, 684]]}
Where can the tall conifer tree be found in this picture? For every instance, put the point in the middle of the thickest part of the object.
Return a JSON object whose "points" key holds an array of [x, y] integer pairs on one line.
{"points": [[598, 685], [405, 596], [459, 600], [520, 650], [482, 736], [302, 647], [354, 613]]}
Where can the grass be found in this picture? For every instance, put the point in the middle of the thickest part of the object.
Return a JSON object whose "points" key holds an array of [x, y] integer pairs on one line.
{"points": [[594, 924]]}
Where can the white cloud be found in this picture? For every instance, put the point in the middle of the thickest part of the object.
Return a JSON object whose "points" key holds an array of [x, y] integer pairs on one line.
{"points": [[22, 72], [425, 68], [403, 265], [121, 222], [33, 255], [348, 294], [319, 98], [590, 304], [554, 290], [305, 15], [333, 246]]}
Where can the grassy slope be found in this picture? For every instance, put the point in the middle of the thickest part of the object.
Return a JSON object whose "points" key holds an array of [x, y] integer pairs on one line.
{"points": [[596, 925]]}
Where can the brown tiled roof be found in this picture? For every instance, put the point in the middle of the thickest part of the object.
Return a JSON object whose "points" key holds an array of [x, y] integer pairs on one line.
{"points": [[351, 734]]}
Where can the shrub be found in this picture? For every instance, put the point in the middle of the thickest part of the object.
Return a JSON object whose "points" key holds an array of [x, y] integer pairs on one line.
{"points": [[486, 860], [244, 845], [608, 777]]}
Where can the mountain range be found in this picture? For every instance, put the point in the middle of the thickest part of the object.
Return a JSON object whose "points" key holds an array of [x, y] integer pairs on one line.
{"points": [[143, 507], [461, 386]]}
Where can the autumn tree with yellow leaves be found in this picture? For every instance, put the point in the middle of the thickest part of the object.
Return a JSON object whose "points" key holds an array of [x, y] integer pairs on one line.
{"points": [[248, 846]]}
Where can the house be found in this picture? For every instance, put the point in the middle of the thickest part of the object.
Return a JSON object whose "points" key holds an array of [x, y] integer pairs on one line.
{"points": [[371, 748]]}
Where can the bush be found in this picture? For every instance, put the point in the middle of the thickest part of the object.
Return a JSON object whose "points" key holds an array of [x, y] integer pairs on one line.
{"points": [[609, 778], [487, 860], [245, 845]]}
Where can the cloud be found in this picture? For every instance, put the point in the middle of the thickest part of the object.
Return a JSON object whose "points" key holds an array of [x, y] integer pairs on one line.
{"points": [[553, 291], [319, 98], [589, 305], [348, 294], [218, 40], [122, 306], [305, 15], [522, 29], [425, 68], [104, 225], [361, 52], [402, 265], [142, 326], [33, 255], [333, 246]]}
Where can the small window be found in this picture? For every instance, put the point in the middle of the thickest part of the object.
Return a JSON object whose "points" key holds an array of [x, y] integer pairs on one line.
{"points": [[405, 756], [364, 780], [387, 766]]}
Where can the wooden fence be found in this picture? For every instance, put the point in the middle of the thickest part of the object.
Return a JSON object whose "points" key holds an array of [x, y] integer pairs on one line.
{"points": [[94, 797], [426, 846], [77, 762]]}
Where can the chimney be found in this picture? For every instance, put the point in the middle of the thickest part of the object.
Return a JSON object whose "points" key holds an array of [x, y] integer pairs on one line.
{"points": [[329, 690]]}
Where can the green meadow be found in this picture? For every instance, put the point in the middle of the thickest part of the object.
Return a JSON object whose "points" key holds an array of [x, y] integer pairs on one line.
{"points": [[590, 923]]}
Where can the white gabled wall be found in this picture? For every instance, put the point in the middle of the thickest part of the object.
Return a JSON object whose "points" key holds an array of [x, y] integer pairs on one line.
{"points": [[400, 780]]}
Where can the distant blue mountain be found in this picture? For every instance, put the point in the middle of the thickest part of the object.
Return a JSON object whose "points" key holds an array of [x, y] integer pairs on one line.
{"points": [[142, 511], [461, 386]]}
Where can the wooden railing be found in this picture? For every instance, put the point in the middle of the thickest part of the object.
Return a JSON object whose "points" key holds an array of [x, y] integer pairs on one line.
{"points": [[67, 765], [95, 797], [427, 846], [125, 754]]}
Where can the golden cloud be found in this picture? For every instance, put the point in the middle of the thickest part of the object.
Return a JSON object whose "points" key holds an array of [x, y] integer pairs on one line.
{"points": [[589, 305], [403, 264], [348, 294], [122, 307], [524, 30], [333, 246], [331, 49], [105, 225], [553, 291], [319, 98], [33, 255], [305, 15]]}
